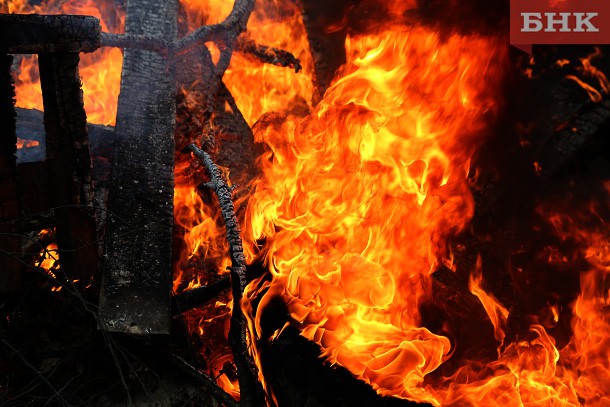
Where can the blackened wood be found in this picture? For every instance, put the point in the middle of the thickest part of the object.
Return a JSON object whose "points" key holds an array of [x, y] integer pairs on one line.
{"points": [[137, 264], [69, 164], [251, 392], [198, 297], [267, 54], [572, 138], [33, 33], [327, 48], [32, 168], [10, 243]]}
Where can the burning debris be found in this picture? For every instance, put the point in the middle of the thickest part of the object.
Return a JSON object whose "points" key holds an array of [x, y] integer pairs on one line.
{"points": [[361, 203]]}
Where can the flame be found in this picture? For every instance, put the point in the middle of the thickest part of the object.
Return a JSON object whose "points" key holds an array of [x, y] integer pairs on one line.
{"points": [[358, 203], [588, 70], [100, 71], [359, 198], [497, 313], [49, 258], [257, 89], [261, 88]]}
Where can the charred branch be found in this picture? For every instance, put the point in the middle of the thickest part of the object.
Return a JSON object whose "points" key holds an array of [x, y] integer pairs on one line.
{"points": [[199, 296], [33, 33], [217, 392], [268, 55], [250, 388]]}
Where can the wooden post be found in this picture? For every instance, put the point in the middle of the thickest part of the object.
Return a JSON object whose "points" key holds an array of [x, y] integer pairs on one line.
{"points": [[69, 164], [10, 243], [136, 269]]}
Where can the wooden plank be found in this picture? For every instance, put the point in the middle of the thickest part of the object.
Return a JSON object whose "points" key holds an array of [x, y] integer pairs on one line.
{"points": [[69, 164], [136, 269], [10, 243], [33, 33]]}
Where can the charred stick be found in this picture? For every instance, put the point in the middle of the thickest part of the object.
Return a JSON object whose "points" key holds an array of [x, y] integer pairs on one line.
{"points": [[225, 33], [218, 393], [268, 55], [250, 388], [197, 297]]}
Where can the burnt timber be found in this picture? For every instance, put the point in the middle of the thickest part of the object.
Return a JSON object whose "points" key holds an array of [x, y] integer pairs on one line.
{"points": [[135, 295], [67, 169]]}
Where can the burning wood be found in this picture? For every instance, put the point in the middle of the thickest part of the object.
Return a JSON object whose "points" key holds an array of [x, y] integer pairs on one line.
{"points": [[379, 211]]}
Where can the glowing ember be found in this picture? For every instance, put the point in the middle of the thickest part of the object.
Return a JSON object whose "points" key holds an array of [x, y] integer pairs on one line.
{"points": [[21, 143]]}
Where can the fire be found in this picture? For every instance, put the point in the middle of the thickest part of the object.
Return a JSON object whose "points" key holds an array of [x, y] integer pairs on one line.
{"points": [[359, 198], [357, 205], [49, 256], [588, 70], [100, 71], [259, 88]]}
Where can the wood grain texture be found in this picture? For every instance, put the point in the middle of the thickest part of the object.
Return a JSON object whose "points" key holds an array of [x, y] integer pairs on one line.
{"points": [[69, 165], [137, 262], [33, 33]]}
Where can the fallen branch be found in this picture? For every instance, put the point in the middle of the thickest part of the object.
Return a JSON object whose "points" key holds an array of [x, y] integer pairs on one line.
{"points": [[250, 389]]}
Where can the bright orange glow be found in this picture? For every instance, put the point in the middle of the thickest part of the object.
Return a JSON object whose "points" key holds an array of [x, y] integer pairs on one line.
{"points": [[100, 71], [497, 313], [49, 257], [257, 89], [358, 202], [21, 143], [261, 88], [358, 199]]}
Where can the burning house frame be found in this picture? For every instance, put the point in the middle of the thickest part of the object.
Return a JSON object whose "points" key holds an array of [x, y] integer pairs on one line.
{"points": [[299, 204]]}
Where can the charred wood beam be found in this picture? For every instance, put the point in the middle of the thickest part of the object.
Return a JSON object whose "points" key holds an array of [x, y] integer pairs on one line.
{"points": [[69, 164], [250, 389], [33, 33], [567, 142], [135, 295], [36, 210], [10, 243]]}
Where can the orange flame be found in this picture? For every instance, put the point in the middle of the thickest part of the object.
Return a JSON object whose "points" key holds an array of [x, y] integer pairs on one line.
{"points": [[261, 88], [590, 71], [358, 199]]}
